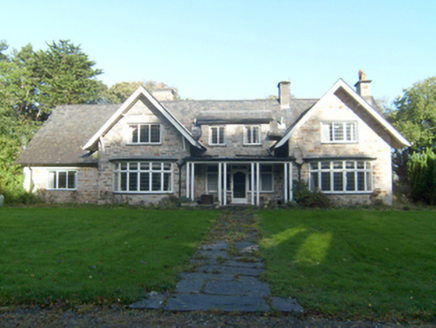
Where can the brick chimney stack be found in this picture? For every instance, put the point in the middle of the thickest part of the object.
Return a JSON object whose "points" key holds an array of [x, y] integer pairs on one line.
{"points": [[163, 94], [363, 87], [284, 94]]}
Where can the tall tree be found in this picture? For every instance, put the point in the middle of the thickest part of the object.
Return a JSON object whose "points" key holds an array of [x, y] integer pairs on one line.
{"points": [[415, 117]]}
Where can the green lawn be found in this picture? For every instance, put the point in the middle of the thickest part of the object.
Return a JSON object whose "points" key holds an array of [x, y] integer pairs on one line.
{"points": [[93, 254], [367, 264]]}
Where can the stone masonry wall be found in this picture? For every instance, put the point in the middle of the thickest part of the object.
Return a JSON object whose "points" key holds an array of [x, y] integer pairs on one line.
{"points": [[306, 143], [115, 144], [86, 191]]}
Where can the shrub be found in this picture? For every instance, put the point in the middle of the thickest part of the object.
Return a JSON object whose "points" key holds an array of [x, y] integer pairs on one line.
{"points": [[422, 177], [307, 198]]}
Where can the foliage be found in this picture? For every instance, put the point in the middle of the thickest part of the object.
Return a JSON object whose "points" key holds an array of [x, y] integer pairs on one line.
{"points": [[353, 264], [84, 254], [422, 176], [119, 92], [31, 85], [304, 197], [415, 119]]}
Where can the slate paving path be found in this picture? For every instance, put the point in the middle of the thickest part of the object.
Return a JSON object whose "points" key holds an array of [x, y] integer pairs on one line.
{"points": [[225, 274]]}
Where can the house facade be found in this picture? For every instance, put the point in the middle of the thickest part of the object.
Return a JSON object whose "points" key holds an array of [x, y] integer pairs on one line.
{"points": [[228, 152]]}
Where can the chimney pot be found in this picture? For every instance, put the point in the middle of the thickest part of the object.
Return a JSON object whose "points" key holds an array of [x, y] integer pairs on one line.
{"points": [[363, 87]]}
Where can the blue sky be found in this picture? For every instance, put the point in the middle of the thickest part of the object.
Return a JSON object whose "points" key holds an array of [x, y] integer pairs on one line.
{"points": [[236, 49]]}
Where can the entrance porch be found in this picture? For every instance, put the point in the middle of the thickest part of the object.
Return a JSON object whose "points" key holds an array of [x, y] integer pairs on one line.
{"points": [[240, 181]]}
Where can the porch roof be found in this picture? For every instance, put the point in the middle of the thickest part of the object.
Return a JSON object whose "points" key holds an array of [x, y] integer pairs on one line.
{"points": [[246, 159]]}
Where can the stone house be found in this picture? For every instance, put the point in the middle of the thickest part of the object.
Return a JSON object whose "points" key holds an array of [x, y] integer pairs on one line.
{"points": [[234, 152]]}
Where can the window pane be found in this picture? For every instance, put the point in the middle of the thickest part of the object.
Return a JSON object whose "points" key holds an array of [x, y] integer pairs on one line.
{"points": [[123, 181], [338, 165], [133, 166], [266, 181], [134, 133], [52, 180], [338, 183], [166, 186], [351, 132], [314, 181], [62, 180], [256, 134], [368, 181], [145, 133], [350, 165], [167, 166], [351, 182], [133, 181], [156, 166], [331, 132], [314, 166], [325, 165], [144, 182], [212, 182], [325, 181], [360, 165], [361, 181], [155, 182], [221, 135], [71, 179], [145, 166], [124, 166], [155, 133], [339, 131]]}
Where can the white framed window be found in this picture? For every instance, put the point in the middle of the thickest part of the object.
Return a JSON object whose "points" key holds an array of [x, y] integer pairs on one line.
{"points": [[217, 135], [341, 176], [145, 133], [266, 179], [340, 132], [252, 135], [143, 177], [62, 180]]}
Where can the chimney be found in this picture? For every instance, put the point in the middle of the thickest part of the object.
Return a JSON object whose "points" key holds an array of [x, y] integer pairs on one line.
{"points": [[284, 94], [163, 94], [363, 87]]}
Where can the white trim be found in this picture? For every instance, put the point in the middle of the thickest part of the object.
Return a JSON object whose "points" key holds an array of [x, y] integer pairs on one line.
{"points": [[257, 183], [341, 84], [225, 184], [127, 104], [220, 142], [285, 184], [259, 135]]}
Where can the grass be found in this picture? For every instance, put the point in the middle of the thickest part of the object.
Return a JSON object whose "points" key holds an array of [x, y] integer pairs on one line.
{"points": [[82, 255], [353, 263]]}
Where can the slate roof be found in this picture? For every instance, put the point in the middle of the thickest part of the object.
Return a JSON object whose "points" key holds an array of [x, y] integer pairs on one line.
{"points": [[70, 127], [60, 139]]}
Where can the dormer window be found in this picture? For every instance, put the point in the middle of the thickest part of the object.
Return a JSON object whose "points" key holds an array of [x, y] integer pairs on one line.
{"points": [[217, 135], [252, 135], [340, 132], [145, 133]]}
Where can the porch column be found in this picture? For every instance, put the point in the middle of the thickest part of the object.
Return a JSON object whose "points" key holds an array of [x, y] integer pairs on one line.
{"points": [[220, 189], [225, 185], [285, 181], [291, 194], [252, 184], [192, 180], [257, 183], [188, 180]]}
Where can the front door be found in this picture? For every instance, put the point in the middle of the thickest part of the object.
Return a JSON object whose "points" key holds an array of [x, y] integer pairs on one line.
{"points": [[239, 188]]}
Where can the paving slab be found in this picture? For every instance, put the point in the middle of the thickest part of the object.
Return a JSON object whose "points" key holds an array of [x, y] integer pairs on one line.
{"points": [[202, 255], [285, 305], [241, 288], [201, 302], [190, 286], [209, 276], [218, 245], [214, 268]]}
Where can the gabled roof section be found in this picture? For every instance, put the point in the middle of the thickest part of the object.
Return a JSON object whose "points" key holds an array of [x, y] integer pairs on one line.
{"points": [[398, 141], [141, 91]]}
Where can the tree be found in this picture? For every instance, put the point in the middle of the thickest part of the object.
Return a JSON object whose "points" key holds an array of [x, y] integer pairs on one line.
{"points": [[31, 85], [119, 92], [415, 118]]}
